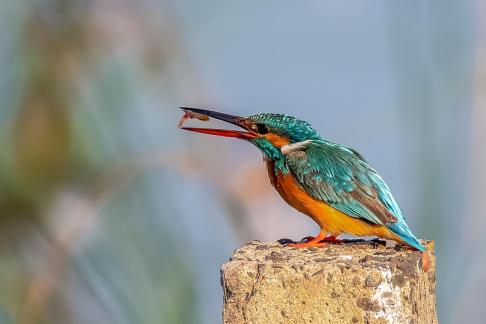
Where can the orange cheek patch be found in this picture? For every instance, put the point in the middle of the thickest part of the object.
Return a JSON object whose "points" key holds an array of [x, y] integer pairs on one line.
{"points": [[277, 140]]}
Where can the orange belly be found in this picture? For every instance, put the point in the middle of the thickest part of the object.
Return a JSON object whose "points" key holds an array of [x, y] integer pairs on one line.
{"points": [[329, 219]]}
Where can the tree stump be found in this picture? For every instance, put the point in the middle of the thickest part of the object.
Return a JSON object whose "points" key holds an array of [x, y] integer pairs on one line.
{"points": [[339, 283]]}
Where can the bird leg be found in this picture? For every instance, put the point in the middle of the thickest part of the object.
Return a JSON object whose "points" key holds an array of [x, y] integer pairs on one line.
{"points": [[315, 242], [328, 239], [333, 239]]}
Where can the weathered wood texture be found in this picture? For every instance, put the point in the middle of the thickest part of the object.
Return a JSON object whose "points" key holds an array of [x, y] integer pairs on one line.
{"points": [[350, 283]]}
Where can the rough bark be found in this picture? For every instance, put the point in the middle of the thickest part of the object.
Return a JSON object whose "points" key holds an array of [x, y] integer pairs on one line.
{"points": [[348, 283]]}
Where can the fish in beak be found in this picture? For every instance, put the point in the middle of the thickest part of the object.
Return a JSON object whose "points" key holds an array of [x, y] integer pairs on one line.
{"points": [[205, 115]]}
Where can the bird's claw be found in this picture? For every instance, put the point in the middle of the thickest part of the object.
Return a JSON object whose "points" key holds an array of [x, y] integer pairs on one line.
{"points": [[328, 239], [285, 241], [311, 241], [308, 244]]}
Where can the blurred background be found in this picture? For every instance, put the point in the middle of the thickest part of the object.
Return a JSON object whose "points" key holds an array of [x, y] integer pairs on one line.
{"points": [[110, 214]]}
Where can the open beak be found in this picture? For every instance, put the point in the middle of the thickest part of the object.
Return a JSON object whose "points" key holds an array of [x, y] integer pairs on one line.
{"points": [[203, 114]]}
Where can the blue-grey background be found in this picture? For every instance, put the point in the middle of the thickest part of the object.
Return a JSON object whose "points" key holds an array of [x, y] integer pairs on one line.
{"points": [[110, 214]]}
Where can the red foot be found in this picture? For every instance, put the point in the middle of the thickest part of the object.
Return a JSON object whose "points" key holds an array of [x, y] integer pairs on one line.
{"points": [[332, 239], [308, 244], [315, 242]]}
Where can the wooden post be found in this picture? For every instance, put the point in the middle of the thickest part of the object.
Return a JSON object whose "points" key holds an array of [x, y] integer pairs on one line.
{"points": [[348, 283]]}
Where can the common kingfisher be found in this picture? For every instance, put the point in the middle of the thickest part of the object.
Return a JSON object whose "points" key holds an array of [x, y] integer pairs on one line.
{"points": [[331, 183]]}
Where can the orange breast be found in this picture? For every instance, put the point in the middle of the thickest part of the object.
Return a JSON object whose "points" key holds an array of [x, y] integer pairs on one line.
{"points": [[329, 219]]}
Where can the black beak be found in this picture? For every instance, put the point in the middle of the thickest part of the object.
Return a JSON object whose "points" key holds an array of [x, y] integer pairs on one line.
{"points": [[203, 114]]}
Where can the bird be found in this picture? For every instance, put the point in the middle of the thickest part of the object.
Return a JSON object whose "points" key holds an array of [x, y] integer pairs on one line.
{"points": [[331, 183]]}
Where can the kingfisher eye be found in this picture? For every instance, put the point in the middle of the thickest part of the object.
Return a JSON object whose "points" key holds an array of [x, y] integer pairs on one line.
{"points": [[261, 128]]}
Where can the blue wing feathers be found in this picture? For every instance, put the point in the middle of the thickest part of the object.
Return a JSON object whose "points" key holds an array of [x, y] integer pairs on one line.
{"points": [[342, 178], [406, 235]]}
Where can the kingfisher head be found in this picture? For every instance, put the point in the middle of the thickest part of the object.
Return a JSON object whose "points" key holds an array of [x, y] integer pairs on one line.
{"points": [[269, 132]]}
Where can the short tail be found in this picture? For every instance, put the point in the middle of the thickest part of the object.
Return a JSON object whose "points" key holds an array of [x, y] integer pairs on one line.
{"points": [[407, 236]]}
